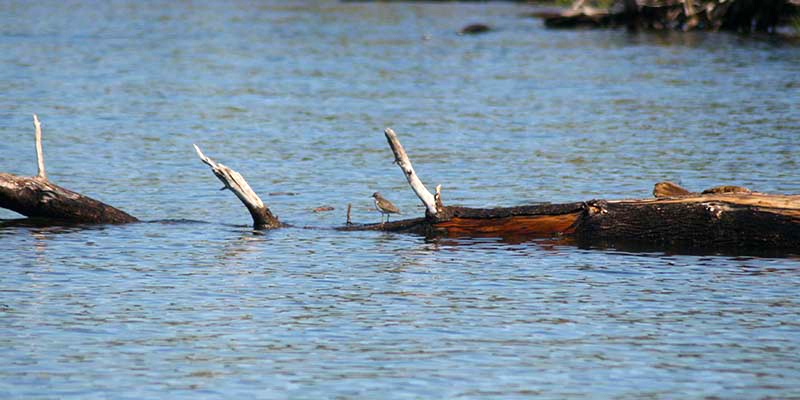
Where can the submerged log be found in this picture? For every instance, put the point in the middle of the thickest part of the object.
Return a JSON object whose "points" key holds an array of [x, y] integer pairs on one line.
{"points": [[36, 197]]}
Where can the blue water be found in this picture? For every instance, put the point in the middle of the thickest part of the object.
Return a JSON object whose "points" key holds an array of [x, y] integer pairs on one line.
{"points": [[191, 303]]}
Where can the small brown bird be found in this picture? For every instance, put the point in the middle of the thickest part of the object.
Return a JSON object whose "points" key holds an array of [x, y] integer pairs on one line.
{"points": [[384, 206]]}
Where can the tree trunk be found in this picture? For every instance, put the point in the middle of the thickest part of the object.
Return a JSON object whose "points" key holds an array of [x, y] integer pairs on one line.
{"points": [[38, 198]]}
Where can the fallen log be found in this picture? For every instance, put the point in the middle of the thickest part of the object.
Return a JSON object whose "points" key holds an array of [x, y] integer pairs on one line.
{"points": [[721, 218], [37, 197], [724, 217]]}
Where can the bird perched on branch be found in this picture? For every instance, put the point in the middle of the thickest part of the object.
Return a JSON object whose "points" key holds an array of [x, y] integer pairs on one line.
{"points": [[384, 206]]}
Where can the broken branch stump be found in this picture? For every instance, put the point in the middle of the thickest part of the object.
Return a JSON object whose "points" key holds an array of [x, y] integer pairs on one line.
{"points": [[262, 216]]}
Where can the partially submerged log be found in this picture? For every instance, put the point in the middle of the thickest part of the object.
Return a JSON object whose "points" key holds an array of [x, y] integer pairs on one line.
{"points": [[719, 218], [724, 217], [36, 197], [704, 221], [708, 221]]}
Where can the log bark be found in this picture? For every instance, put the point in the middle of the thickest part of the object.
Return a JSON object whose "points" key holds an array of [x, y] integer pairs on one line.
{"points": [[712, 221], [709, 222], [722, 217], [35, 197]]}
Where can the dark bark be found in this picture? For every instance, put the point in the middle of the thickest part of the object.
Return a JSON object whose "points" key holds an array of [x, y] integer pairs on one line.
{"points": [[38, 198], [692, 224], [712, 221]]}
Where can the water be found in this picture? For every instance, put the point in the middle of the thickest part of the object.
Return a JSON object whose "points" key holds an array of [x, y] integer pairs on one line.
{"points": [[192, 303]]}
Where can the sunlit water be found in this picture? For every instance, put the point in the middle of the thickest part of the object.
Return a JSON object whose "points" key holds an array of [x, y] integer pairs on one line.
{"points": [[192, 303]]}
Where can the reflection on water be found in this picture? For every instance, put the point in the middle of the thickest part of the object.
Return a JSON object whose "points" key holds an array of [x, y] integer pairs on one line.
{"points": [[295, 97]]}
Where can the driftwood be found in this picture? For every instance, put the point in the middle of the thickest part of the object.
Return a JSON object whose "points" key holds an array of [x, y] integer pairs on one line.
{"points": [[262, 216], [37, 197], [724, 217], [712, 15]]}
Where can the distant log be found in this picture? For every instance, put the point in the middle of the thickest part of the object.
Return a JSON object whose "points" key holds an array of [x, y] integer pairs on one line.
{"points": [[36, 197], [711, 15]]}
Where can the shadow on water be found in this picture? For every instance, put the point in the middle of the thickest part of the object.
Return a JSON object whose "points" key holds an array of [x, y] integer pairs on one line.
{"points": [[686, 249], [660, 249], [508, 242]]}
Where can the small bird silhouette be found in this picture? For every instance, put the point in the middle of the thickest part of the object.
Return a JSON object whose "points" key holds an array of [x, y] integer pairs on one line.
{"points": [[384, 206]]}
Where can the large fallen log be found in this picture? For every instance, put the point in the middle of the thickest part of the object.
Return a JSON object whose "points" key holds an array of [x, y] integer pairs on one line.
{"points": [[722, 218], [726, 217], [37, 197]]}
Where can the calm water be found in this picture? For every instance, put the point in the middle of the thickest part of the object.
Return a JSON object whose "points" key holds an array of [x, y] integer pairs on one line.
{"points": [[294, 95]]}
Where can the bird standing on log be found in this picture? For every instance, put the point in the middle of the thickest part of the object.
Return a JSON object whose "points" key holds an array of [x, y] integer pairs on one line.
{"points": [[384, 206]]}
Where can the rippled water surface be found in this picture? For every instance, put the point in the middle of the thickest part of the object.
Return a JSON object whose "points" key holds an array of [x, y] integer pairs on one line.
{"points": [[191, 303]]}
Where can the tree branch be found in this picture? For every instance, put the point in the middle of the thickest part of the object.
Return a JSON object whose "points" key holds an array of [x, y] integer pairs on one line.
{"points": [[39, 154], [401, 158], [262, 217]]}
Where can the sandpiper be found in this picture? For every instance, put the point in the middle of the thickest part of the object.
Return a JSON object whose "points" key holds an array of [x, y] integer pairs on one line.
{"points": [[384, 206]]}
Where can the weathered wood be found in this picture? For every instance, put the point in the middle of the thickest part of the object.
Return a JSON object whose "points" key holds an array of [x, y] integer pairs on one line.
{"points": [[39, 153], [401, 158], [262, 216], [38, 198]]}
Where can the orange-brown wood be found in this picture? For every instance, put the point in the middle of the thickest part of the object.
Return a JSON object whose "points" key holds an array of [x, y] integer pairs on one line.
{"points": [[513, 225]]}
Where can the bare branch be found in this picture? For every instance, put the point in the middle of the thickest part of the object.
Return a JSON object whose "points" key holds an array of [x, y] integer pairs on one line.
{"points": [[39, 154], [262, 217], [401, 158]]}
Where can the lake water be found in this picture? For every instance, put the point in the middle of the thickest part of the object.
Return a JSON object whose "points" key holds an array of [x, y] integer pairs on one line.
{"points": [[294, 95]]}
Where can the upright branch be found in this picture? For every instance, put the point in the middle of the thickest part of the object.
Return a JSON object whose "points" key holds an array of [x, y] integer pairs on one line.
{"points": [[262, 217], [401, 158], [39, 154]]}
